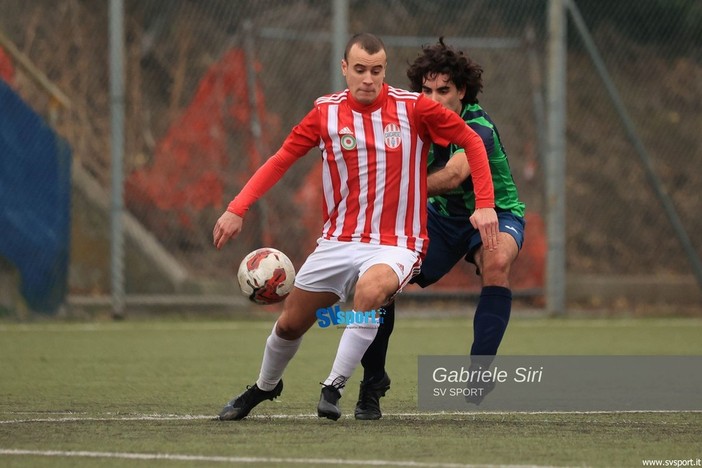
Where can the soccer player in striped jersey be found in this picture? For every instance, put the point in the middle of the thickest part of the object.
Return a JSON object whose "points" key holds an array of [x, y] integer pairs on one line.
{"points": [[374, 141], [454, 80]]}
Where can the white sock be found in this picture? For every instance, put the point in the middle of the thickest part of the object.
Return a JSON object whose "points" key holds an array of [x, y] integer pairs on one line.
{"points": [[276, 357], [352, 346]]}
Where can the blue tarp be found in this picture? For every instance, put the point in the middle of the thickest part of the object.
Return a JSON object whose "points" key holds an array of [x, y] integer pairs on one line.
{"points": [[35, 201]]}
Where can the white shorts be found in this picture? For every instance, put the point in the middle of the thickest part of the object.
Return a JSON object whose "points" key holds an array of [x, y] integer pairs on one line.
{"points": [[336, 266]]}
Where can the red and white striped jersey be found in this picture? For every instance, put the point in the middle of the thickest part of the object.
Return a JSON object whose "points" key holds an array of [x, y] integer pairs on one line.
{"points": [[374, 165]]}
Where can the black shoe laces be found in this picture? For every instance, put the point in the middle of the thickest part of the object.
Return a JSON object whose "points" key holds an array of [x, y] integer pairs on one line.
{"points": [[337, 384]]}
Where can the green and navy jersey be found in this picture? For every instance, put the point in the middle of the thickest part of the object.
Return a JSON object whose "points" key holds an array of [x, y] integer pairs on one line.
{"points": [[461, 200]]}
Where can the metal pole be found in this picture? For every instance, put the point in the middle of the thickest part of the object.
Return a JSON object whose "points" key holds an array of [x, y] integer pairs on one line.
{"points": [[255, 125], [340, 33], [556, 159], [633, 135], [116, 31], [34, 72]]}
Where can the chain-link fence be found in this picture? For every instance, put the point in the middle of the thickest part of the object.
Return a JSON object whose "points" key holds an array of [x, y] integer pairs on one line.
{"points": [[213, 87]]}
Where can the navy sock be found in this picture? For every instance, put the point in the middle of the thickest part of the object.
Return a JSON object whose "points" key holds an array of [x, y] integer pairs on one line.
{"points": [[373, 361], [490, 320]]}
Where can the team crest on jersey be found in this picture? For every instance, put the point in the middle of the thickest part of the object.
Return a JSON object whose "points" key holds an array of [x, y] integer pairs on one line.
{"points": [[392, 135]]}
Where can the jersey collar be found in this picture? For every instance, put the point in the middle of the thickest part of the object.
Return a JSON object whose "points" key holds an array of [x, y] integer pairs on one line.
{"points": [[373, 106]]}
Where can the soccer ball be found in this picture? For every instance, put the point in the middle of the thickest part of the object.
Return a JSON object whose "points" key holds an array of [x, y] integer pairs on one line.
{"points": [[266, 276]]}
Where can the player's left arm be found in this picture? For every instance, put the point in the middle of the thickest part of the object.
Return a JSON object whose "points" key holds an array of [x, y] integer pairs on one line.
{"points": [[445, 127], [450, 176], [457, 169], [453, 129]]}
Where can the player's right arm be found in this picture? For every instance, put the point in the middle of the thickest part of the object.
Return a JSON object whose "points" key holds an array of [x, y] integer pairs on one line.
{"points": [[445, 127], [301, 139], [450, 176], [227, 226]]}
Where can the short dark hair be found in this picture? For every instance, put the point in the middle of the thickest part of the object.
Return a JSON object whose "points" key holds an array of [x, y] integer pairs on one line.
{"points": [[366, 41], [439, 59]]}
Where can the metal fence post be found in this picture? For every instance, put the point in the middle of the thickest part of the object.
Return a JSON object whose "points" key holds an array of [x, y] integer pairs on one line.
{"points": [[339, 35], [556, 158], [116, 31]]}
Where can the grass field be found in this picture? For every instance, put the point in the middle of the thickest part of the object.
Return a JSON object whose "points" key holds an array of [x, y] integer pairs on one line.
{"points": [[143, 393]]}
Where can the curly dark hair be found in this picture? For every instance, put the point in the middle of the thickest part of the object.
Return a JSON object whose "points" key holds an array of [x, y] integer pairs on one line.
{"points": [[440, 58]]}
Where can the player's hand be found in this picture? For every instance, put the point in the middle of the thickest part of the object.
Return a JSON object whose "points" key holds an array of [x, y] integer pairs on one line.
{"points": [[227, 227], [485, 221]]}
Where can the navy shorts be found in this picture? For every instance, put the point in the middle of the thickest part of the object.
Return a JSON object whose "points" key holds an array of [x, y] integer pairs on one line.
{"points": [[453, 237]]}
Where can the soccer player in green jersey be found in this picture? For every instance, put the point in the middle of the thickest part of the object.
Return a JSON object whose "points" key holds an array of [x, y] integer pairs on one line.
{"points": [[454, 80]]}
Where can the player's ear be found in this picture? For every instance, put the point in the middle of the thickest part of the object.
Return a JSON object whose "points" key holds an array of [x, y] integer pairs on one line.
{"points": [[344, 67]]}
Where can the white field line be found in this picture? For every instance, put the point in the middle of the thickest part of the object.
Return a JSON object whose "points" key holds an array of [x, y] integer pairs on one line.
{"points": [[229, 459], [262, 460], [195, 417]]}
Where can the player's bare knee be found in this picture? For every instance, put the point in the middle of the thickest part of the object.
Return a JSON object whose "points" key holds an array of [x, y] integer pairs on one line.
{"points": [[375, 288], [370, 296], [288, 330], [292, 323], [495, 270]]}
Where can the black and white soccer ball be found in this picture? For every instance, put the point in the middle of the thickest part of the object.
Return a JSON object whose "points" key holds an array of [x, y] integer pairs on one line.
{"points": [[266, 276]]}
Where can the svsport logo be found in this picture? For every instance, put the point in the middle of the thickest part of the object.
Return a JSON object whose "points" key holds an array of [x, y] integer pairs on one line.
{"points": [[335, 316]]}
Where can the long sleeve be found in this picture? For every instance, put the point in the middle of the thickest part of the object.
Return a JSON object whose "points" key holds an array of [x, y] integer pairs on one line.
{"points": [[301, 139], [480, 170], [445, 127], [263, 179]]}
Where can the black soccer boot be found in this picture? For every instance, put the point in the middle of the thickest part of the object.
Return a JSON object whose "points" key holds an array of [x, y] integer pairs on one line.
{"points": [[241, 406], [368, 404], [328, 406]]}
